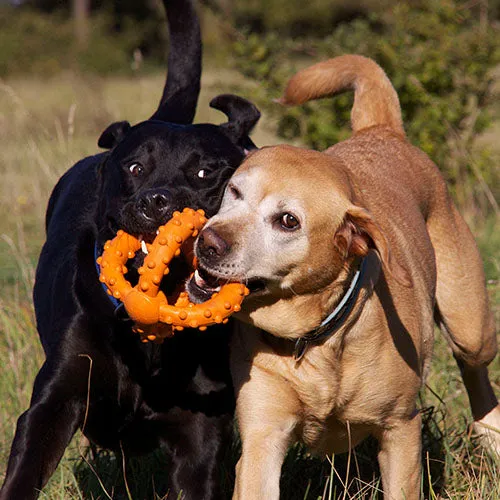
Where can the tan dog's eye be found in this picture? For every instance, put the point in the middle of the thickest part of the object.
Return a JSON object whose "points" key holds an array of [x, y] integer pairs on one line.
{"points": [[136, 170], [234, 192], [289, 222]]}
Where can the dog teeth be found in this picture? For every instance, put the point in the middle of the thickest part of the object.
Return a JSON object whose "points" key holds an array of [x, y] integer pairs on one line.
{"points": [[203, 284], [198, 279], [144, 248], [157, 231]]}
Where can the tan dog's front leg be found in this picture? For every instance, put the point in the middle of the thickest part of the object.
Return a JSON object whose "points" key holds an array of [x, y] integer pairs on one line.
{"points": [[400, 459], [266, 409], [259, 468]]}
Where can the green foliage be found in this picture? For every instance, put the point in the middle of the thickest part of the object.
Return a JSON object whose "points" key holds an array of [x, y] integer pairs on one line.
{"points": [[439, 59], [43, 44], [293, 18]]}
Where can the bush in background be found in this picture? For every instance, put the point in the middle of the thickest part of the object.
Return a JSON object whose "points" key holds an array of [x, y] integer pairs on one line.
{"points": [[41, 44], [439, 57]]}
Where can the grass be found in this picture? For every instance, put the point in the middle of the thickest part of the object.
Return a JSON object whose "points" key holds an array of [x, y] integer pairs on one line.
{"points": [[45, 126]]}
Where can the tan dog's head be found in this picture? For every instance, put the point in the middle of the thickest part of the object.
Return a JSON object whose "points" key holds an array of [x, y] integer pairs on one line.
{"points": [[288, 228]]}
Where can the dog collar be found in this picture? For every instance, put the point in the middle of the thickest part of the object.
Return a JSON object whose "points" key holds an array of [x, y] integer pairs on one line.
{"points": [[335, 319], [119, 307]]}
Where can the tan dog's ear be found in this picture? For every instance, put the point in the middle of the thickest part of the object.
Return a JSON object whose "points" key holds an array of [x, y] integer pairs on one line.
{"points": [[358, 233]]}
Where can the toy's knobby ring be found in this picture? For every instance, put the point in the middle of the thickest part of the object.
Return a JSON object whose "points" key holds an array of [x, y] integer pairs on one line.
{"points": [[145, 303]]}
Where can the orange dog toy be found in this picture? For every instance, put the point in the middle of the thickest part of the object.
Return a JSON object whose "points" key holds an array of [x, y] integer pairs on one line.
{"points": [[148, 306]]}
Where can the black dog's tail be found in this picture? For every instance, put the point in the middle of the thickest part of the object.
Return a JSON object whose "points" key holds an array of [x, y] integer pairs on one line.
{"points": [[180, 95]]}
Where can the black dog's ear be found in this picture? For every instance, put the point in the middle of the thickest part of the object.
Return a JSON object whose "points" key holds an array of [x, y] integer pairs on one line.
{"points": [[243, 116], [113, 134]]}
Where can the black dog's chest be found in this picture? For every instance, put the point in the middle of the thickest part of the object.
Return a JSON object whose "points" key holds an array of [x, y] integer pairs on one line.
{"points": [[154, 384]]}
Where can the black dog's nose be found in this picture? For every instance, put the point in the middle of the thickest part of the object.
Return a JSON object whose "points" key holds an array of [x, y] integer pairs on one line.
{"points": [[210, 244], [154, 204]]}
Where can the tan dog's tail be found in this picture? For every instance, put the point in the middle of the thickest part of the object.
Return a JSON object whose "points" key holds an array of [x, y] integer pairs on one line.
{"points": [[375, 100]]}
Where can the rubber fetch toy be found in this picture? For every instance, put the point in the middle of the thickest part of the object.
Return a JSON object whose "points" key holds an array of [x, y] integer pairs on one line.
{"points": [[155, 319]]}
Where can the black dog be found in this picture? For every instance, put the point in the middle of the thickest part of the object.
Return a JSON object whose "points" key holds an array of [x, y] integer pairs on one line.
{"points": [[98, 376]]}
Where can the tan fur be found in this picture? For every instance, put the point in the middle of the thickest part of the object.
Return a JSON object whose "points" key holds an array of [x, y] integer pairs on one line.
{"points": [[375, 100], [373, 196]]}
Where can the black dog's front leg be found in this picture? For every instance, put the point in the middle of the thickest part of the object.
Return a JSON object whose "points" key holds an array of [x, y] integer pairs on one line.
{"points": [[42, 434], [198, 451]]}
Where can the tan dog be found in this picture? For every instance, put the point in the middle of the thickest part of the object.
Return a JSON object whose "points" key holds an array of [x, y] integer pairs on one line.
{"points": [[297, 226]]}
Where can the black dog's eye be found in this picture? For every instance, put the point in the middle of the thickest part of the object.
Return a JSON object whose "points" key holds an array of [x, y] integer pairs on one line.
{"points": [[289, 222], [201, 174], [136, 170]]}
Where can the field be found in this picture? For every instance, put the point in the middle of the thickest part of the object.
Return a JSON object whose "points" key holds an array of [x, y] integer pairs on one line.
{"points": [[45, 126]]}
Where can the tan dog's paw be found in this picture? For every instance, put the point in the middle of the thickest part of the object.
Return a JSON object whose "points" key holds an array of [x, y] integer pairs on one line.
{"points": [[488, 430]]}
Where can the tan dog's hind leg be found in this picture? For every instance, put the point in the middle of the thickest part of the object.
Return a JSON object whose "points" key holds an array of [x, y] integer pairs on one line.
{"points": [[463, 311], [400, 459], [482, 400]]}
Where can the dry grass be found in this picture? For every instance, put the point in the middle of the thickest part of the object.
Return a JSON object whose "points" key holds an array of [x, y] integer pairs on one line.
{"points": [[44, 128]]}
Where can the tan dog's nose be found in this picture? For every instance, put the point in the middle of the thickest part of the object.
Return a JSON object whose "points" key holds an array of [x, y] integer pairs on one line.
{"points": [[212, 245]]}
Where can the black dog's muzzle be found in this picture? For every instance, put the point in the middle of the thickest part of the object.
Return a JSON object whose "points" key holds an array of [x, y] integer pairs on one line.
{"points": [[155, 205]]}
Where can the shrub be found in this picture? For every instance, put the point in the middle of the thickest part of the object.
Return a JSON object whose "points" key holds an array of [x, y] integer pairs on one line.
{"points": [[43, 44], [440, 60]]}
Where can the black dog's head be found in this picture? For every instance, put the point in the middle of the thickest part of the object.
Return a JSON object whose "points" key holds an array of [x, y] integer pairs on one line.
{"points": [[156, 167], [166, 163]]}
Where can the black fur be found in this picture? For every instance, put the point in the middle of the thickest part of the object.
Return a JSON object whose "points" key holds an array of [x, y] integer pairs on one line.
{"points": [[140, 396]]}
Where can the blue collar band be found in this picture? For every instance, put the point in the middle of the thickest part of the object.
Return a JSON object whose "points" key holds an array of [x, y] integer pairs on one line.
{"points": [[116, 303]]}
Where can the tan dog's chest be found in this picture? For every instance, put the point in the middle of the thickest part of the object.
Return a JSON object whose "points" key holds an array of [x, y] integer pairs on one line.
{"points": [[333, 415], [345, 403], [337, 394]]}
